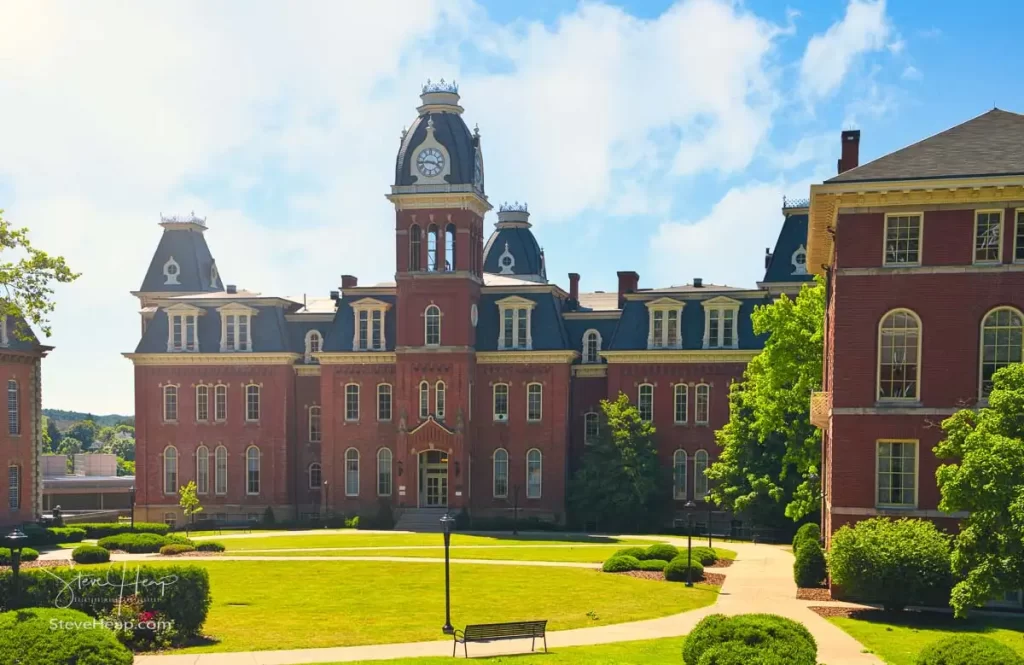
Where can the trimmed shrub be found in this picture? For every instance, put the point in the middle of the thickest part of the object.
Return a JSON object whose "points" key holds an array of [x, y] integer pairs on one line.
{"points": [[764, 633], [968, 650], [180, 593], [657, 565], [179, 539], [104, 529], [171, 549], [675, 570], [705, 555], [635, 552], [27, 554], [809, 531], [620, 564], [68, 534], [894, 563], [90, 554], [737, 653], [809, 566], [268, 516], [29, 636], [662, 551], [209, 546], [42, 537], [134, 543], [352, 523]]}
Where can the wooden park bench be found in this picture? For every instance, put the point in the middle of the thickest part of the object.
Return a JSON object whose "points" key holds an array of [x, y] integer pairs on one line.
{"points": [[492, 632]]}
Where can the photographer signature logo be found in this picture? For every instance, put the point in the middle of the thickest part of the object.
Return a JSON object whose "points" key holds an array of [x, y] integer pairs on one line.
{"points": [[127, 583]]}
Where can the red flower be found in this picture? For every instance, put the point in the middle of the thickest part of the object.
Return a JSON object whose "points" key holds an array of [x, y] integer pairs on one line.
{"points": [[146, 616]]}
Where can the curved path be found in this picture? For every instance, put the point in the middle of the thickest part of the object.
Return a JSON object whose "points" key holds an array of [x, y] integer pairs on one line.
{"points": [[760, 580]]}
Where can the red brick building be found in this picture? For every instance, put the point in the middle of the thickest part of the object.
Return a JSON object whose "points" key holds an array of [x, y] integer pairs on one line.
{"points": [[923, 251], [470, 381]]}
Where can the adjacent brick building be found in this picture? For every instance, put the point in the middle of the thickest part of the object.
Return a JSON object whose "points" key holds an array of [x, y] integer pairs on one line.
{"points": [[471, 381]]}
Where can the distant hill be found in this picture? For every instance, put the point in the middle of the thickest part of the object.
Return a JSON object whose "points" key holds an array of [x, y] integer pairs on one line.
{"points": [[65, 419]]}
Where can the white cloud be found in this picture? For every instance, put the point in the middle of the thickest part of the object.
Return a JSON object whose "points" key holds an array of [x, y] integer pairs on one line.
{"points": [[911, 73], [829, 56], [811, 148]]}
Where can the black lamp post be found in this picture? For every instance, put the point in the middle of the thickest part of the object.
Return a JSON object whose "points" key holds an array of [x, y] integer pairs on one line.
{"points": [[690, 505], [14, 542], [131, 499], [446, 525]]}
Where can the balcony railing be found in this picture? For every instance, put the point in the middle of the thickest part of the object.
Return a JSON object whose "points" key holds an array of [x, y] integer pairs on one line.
{"points": [[821, 409]]}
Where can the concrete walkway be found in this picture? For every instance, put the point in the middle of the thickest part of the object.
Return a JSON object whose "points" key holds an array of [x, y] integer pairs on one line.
{"points": [[760, 580]]}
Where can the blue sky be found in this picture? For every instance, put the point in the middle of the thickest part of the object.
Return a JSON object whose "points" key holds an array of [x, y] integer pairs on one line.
{"points": [[650, 136]]}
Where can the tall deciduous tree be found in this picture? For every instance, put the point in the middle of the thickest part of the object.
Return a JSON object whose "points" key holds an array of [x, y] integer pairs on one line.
{"points": [[621, 484], [27, 276], [986, 479], [771, 454], [84, 431], [188, 499]]}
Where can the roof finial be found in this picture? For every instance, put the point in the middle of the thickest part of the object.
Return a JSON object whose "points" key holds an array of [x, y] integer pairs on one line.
{"points": [[405, 131], [430, 124], [476, 131]]}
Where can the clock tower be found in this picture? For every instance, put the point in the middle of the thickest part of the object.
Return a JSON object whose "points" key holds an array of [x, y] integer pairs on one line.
{"points": [[439, 200]]}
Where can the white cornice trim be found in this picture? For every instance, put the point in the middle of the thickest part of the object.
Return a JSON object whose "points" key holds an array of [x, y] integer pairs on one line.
{"points": [[602, 314], [307, 370], [933, 270], [588, 371], [229, 358], [525, 357], [680, 356], [355, 358], [895, 512], [516, 301]]}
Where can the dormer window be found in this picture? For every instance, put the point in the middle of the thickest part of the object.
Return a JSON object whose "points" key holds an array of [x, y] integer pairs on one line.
{"points": [[171, 272], [591, 346], [515, 333], [799, 261], [182, 328], [369, 324], [314, 343], [664, 330], [236, 327], [720, 318]]}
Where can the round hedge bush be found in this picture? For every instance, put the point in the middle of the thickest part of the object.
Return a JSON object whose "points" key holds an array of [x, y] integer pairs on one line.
{"points": [[705, 555], [29, 636], [635, 552], [67, 534], [809, 531], [968, 650], [758, 633], [27, 554], [620, 564], [180, 539], [653, 564], [809, 567], [90, 554], [209, 546], [170, 549], [662, 551], [675, 570], [133, 543]]}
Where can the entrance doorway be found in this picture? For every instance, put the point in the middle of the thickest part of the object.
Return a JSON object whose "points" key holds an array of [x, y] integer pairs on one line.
{"points": [[433, 479]]}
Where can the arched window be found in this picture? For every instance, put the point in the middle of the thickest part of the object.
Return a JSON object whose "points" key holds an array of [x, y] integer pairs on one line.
{"points": [[439, 397], [202, 470], [252, 470], [432, 247], [702, 408], [432, 325], [202, 403], [315, 476], [170, 404], [534, 473], [315, 433], [501, 402], [170, 470], [679, 475], [220, 470], [645, 402], [384, 472], [351, 472], [220, 403], [424, 399], [13, 408], [384, 402], [700, 481], [534, 402], [414, 247], [899, 353], [591, 428], [679, 393], [449, 248], [14, 487], [591, 346], [252, 403], [352, 402], [314, 342], [500, 473], [1002, 332]]}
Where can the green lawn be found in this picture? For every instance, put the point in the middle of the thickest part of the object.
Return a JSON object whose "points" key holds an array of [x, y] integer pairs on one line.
{"points": [[548, 552], [302, 604], [649, 652], [898, 639], [404, 539]]}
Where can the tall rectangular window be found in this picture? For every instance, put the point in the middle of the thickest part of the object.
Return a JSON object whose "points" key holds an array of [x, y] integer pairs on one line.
{"points": [[252, 403], [728, 327], [508, 329], [897, 474], [202, 403], [515, 324], [352, 402], [714, 326], [591, 428], [680, 406], [252, 470], [220, 403], [183, 333], [364, 322], [988, 236], [384, 402], [664, 318], [14, 487], [522, 322], [369, 326], [424, 400], [170, 404], [202, 470], [501, 402], [314, 424], [1018, 242], [235, 328], [902, 240], [439, 400], [703, 405], [659, 328], [13, 408], [645, 402], [220, 475], [377, 330], [534, 394]]}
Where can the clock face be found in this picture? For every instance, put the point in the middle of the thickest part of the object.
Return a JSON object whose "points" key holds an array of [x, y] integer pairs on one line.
{"points": [[478, 171], [473, 315], [430, 162]]}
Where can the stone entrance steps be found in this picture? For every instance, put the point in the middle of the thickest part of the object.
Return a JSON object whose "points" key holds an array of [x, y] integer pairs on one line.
{"points": [[424, 520]]}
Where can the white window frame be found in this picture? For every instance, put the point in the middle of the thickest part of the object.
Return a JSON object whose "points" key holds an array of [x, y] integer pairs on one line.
{"points": [[382, 390], [202, 399], [13, 408], [248, 402], [185, 317], [517, 307], [503, 417], [588, 417], [13, 487], [981, 346], [171, 519], [424, 398], [540, 473], [886, 263], [351, 491], [707, 404], [381, 465], [218, 390], [640, 402], [314, 344], [679, 493], [440, 395], [685, 391], [659, 310], [431, 311], [495, 475], [220, 476], [170, 458], [167, 391], [348, 417], [917, 474], [878, 360], [315, 424], [315, 466], [248, 471], [240, 313], [699, 478], [974, 237], [202, 470], [1018, 235], [539, 416], [588, 358], [721, 305], [371, 306]]}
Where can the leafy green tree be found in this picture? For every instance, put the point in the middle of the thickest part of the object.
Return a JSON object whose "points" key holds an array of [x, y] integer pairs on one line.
{"points": [[188, 499], [123, 447], [84, 431], [69, 445], [771, 454], [621, 484], [26, 283], [985, 478], [125, 467], [54, 434]]}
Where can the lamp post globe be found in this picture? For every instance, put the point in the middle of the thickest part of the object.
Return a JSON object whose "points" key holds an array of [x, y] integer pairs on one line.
{"points": [[447, 522], [15, 542], [690, 505]]}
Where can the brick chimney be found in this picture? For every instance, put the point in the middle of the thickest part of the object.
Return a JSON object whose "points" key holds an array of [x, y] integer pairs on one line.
{"points": [[349, 281], [850, 156], [628, 282], [574, 286]]}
